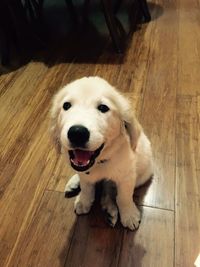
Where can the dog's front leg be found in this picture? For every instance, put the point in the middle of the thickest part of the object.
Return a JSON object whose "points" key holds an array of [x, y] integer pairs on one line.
{"points": [[129, 213], [72, 187], [85, 199]]}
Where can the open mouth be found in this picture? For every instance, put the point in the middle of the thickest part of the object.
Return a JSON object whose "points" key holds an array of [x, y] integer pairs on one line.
{"points": [[82, 160]]}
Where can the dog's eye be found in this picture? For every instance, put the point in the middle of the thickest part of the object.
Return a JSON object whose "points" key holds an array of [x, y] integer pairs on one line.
{"points": [[103, 108], [67, 105]]}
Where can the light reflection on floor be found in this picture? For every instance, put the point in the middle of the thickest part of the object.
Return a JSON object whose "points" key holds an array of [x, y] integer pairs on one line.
{"points": [[197, 262]]}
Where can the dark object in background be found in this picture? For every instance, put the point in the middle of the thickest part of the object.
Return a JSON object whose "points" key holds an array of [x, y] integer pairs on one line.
{"points": [[111, 20], [19, 27], [22, 27]]}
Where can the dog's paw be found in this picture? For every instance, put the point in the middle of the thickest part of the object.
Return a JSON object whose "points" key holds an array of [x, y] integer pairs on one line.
{"points": [[81, 207], [111, 210], [112, 215], [131, 218], [72, 188]]}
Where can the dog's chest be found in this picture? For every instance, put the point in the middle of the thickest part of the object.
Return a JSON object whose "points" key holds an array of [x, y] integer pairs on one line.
{"points": [[109, 169]]}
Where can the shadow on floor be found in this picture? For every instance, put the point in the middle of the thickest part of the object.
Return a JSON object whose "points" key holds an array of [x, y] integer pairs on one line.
{"points": [[95, 243]]}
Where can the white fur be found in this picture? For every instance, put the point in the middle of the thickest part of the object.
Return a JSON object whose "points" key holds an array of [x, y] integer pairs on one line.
{"points": [[126, 147]]}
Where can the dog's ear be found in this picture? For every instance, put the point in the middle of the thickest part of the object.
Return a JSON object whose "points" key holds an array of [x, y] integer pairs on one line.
{"points": [[54, 124], [133, 129], [131, 124]]}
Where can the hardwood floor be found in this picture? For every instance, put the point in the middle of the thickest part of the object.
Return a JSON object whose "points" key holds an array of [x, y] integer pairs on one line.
{"points": [[160, 73]]}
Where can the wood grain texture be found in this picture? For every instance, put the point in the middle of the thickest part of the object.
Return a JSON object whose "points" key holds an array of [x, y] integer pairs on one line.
{"points": [[187, 181], [159, 104], [21, 197], [101, 243], [105, 246], [153, 244], [61, 174], [159, 73], [189, 39], [49, 236], [25, 161], [187, 223], [7, 79]]}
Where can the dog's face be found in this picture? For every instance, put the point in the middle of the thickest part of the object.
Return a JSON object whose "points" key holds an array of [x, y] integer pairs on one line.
{"points": [[87, 116]]}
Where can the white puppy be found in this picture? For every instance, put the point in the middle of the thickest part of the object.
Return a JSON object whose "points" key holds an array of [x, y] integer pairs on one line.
{"points": [[95, 127]]}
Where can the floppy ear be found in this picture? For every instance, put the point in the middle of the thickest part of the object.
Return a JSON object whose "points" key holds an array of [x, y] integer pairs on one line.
{"points": [[131, 124], [133, 129], [54, 114]]}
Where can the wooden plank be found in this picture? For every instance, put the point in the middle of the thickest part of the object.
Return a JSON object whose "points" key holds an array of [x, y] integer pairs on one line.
{"points": [[48, 238], [62, 173], [187, 224], [189, 41], [20, 127], [96, 243], [187, 230], [7, 79], [152, 244], [197, 151], [20, 91], [15, 108], [104, 246], [23, 193], [27, 164], [93, 243], [158, 110]]}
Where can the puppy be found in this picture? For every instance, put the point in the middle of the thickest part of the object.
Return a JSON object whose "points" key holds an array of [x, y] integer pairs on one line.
{"points": [[96, 129]]}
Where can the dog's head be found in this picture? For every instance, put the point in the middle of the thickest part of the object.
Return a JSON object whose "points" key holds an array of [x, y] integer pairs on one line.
{"points": [[87, 116]]}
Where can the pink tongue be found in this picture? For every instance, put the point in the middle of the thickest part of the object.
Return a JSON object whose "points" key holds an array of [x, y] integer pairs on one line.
{"points": [[82, 157]]}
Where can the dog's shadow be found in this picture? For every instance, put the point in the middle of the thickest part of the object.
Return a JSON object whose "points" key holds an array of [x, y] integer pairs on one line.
{"points": [[95, 243]]}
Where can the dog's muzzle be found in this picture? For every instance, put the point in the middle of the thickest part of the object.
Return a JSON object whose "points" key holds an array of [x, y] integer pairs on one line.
{"points": [[82, 160]]}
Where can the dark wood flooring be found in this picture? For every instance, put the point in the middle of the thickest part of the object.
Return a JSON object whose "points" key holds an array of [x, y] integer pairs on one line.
{"points": [[160, 73]]}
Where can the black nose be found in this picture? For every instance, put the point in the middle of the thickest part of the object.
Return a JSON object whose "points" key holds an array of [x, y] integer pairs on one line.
{"points": [[78, 135]]}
